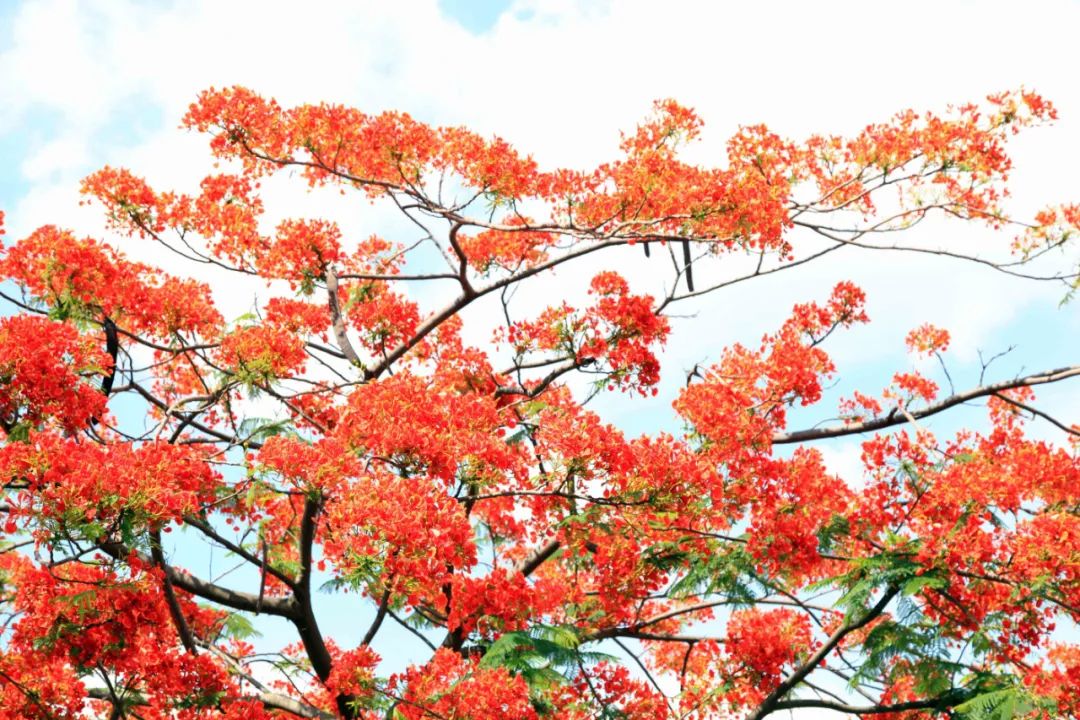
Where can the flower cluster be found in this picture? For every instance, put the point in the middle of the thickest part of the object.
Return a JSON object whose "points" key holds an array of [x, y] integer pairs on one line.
{"points": [[49, 372]]}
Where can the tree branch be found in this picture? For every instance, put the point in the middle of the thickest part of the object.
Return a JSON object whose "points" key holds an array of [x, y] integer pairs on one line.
{"points": [[897, 418], [537, 558], [380, 615], [304, 618], [177, 613], [463, 261], [207, 529], [769, 704], [340, 333], [939, 703], [272, 700], [112, 347], [235, 599], [1039, 413]]}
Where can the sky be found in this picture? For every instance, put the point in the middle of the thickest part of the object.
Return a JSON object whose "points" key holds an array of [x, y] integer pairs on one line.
{"points": [[87, 83]]}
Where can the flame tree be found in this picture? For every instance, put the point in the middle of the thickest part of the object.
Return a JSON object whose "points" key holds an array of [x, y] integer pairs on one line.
{"points": [[553, 566]]}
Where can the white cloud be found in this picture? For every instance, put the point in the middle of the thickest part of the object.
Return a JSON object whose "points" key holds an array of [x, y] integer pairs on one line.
{"points": [[53, 158], [845, 459]]}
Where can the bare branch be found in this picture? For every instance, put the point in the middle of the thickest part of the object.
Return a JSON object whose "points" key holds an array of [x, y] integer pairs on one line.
{"points": [[529, 565], [334, 301], [175, 611], [1038, 413], [895, 417], [235, 599], [942, 702]]}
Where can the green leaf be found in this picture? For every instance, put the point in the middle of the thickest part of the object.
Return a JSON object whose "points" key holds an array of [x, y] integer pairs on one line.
{"points": [[1005, 704], [261, 428], [239, 627], [516, 438], [544, 656], [836, 528], [917, 583], [857, 597]]}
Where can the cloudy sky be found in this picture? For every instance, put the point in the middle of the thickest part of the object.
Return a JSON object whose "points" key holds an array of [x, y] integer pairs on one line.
{"points": [[88, 83]]}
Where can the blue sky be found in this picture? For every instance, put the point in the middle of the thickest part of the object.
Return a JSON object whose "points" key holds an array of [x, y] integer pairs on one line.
{"points": [[88, 83], [476, 16]]}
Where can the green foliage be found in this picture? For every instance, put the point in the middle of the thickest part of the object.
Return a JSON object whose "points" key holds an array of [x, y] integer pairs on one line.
{"points": [[725, 570], [258, 428], [1005, 704], [19, 433], [544, 655], [914, 585], [836, 529], [238, 626]]}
